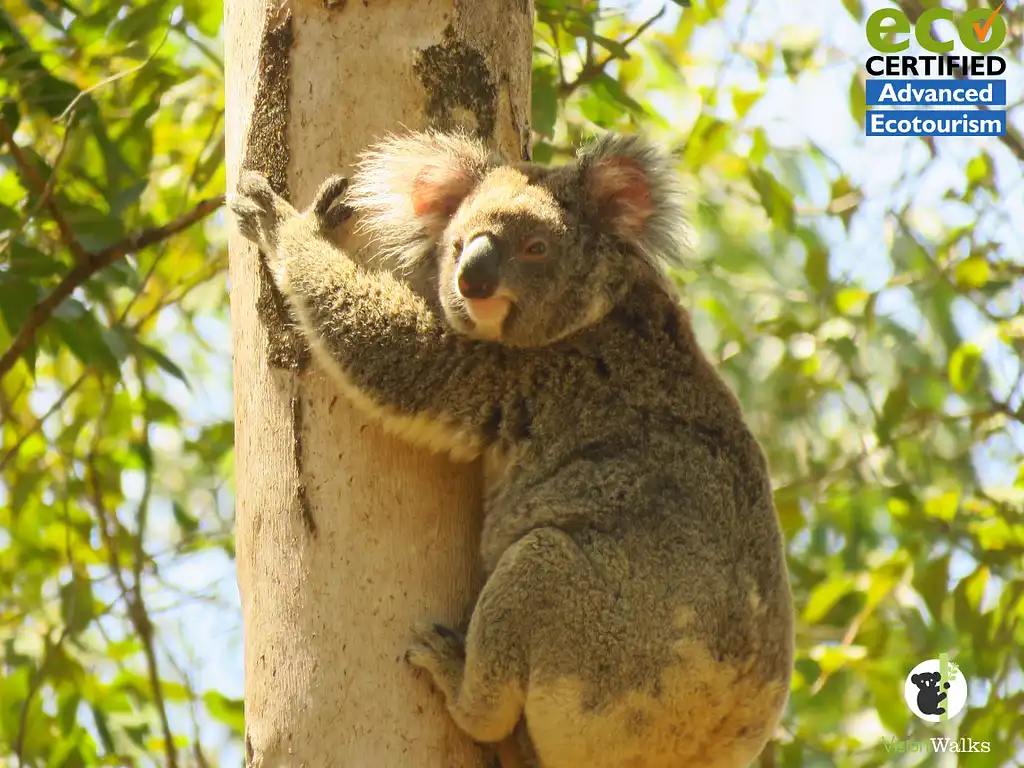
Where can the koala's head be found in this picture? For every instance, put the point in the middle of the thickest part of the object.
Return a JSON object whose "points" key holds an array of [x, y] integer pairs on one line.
{"points": [[925, 680], [525, 254]]}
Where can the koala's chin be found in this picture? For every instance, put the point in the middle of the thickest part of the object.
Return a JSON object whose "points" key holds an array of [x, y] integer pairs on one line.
{"points": [[483, 326]]}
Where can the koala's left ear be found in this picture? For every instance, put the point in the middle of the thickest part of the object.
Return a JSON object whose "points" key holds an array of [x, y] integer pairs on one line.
{"points": [[636, 194]]}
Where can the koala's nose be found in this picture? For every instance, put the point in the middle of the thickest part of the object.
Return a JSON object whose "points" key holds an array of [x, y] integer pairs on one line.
{"points": [[479, 276]]}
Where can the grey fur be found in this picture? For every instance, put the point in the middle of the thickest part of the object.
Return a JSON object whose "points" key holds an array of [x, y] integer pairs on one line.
{"points": [[637, 609]]}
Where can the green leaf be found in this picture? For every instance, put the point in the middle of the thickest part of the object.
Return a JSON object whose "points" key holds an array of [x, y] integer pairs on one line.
{"points": [[86, 338], [825, 596], [816, 269], [9, 112], [776, 200], [980, 172], [544, 111], [225, 710], [185, 521], [968, 595], [931, 581], [18, 296], [791, 516], [165, 363], [964, 367], [895, 406], [797, 53], [206, 16], [944, 506], [140, 21], [542, 152], [858, 99], [608, 88], [972, 272], [76, 603], [614, 47], [707, 140], [892, 710], [742, 101], [158, 409], [26, 261], [855, 8], [852, 301]]}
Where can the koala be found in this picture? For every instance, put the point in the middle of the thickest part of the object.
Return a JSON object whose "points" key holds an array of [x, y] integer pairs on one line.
{"points": [[929, 697], [636, 609]]}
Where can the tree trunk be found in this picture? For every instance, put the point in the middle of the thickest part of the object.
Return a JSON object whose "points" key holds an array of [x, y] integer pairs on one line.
{"points": [[345, 537]]}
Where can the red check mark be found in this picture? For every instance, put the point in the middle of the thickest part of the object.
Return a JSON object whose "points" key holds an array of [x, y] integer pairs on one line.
{"points": [[981, 30]]}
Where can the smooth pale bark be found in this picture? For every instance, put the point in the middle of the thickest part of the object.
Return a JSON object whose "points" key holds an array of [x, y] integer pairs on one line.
{"points": [[345, 536]]}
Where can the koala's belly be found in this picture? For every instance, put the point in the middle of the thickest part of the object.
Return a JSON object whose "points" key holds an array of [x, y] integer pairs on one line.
{"points": [[706, 714]]}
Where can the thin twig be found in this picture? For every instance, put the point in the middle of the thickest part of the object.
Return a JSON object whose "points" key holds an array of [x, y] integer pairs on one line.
{"points": [[38, 423], [113, 78], [592, 71], [33, 688], [46, 196], [136, 606], [39, 186], [92, 264], [185, 195]]}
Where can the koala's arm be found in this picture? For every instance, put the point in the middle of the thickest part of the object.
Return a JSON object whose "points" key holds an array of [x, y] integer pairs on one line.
{"points": [[392, 356]]}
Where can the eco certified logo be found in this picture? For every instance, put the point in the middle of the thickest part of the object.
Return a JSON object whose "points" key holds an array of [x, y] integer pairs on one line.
{"points": [[971, 84], [936, 690]]}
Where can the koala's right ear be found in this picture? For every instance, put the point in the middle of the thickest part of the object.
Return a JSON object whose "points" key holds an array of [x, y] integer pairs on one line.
{"points": [[635, 194], [406, 189]]}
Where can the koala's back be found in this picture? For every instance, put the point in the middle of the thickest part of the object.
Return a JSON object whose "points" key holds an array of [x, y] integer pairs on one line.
{"points": [[659, 624]]}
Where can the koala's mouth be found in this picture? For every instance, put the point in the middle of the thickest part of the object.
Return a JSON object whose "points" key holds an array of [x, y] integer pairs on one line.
{"points": [[488, 315]]}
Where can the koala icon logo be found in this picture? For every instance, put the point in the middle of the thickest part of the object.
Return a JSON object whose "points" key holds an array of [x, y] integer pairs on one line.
{"points": [[936, 690], [928, 695]]}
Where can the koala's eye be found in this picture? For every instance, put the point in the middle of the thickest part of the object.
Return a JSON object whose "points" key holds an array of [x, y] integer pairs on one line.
{"points": [[535, 249]]}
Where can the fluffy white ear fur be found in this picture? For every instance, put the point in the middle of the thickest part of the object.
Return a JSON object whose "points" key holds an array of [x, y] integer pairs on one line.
{"points": [[623, 194], [406, 188], [637, 194]]}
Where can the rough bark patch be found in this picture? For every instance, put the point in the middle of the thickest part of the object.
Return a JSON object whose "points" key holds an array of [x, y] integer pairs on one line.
{"points": [[267, 152], [457, 80], [305, 509]]}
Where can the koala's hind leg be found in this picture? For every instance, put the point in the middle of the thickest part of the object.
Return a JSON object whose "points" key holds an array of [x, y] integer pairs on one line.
{"points": [[484, 677]]}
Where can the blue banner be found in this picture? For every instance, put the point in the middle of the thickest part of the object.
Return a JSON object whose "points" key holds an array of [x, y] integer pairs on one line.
{"points": [[935, 122], [913, 93]]}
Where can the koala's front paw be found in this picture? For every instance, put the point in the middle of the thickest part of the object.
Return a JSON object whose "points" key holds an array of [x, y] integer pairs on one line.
{"points": [[441, 652], [329, 205], [260, 212]]}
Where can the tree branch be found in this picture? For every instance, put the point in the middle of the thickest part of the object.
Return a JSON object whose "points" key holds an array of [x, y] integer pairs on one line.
{"points": [[89, 266]]}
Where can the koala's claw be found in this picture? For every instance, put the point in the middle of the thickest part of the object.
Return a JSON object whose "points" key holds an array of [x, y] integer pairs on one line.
{"points": [[441, 652], [258, 210], [437, 639], [247, 215], [256, 187], [329, 205]]}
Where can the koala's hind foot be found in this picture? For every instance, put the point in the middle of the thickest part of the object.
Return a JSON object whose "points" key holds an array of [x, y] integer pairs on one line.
{"points": [[441, 652], [484, 678], [484, 701]]}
